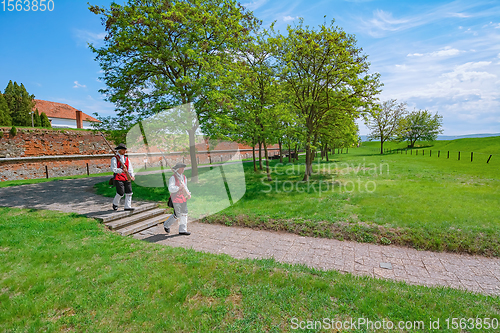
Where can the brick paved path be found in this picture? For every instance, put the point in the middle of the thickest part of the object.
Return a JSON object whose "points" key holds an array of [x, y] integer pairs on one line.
{"points": [[473, 273]]}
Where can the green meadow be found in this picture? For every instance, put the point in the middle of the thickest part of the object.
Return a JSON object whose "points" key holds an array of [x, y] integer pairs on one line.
{"points": [[63, 272], [421, 201]]}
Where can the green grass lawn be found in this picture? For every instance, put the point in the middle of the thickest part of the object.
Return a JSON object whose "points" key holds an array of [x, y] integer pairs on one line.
{"points": [[420, 201], [43, 180], [63, 272]]}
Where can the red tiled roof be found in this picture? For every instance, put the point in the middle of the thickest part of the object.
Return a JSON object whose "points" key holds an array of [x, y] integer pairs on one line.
{"points": [[59, 110]]}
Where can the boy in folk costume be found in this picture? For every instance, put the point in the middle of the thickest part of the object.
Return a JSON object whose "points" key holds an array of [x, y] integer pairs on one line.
{"points": [[123, 185], [177, 186]]}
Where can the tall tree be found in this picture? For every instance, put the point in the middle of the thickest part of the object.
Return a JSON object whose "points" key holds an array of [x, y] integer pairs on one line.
{"points": [[44, 120], [420, 125], [261, 93], [324, 71], [158, 53], [20, 104], [5, 119], [36, 118], [9, 95], [384, 120]]}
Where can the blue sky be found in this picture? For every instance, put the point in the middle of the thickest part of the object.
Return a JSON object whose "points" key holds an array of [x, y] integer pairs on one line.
{"points": [[443, 56]]}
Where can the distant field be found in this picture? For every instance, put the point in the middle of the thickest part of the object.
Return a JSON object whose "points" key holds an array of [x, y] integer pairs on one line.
{"points": [[419, 201]]}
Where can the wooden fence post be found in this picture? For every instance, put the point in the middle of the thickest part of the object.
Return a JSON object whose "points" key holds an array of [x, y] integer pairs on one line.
{"points": [[47, 172], [439, 152], [471, 155], [448, 154], [489, 159], [459, 156], [88, 172]]}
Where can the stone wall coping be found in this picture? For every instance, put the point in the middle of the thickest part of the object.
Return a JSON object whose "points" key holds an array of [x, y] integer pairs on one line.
{"points": [[50, 157]]}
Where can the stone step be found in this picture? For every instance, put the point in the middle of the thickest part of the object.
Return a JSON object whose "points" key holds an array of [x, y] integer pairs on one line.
{"points": [[140, 226], [123, 222], [121, 214]]}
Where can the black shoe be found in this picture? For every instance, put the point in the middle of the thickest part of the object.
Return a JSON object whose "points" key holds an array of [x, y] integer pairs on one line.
{"points": [[115, 207], [167, 230], [185, 233], [129, 209]]}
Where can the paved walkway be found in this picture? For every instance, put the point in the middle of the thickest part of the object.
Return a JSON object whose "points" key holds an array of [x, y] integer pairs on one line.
{"points": [[472, 273]]}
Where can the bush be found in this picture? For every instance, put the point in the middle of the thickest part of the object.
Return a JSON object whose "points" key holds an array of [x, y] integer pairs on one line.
{"points": [[13, 131], [1, 134]]}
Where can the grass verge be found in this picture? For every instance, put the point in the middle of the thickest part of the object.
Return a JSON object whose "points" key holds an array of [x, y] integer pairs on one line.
{"points": [[63, 272], [44, 180], [423, 202]]}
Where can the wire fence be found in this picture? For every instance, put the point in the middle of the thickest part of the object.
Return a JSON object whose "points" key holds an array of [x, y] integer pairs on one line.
{"points": [[448, 154]]}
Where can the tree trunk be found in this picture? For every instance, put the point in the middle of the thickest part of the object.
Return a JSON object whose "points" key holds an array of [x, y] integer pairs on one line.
{"points": [[326, 152], [289, 152], [281, 155], [254, 162], [381, 147], [260, 156], [296, 154], [192, 154], [268, 170], [307, 172]]}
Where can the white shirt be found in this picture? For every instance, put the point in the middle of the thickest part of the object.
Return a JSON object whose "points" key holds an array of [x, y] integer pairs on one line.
{"points": [[171, 184], [114, 165]]}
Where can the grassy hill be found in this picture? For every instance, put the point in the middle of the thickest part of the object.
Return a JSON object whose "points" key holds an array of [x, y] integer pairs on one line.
{"points": [[412, 200], [489, 145]]}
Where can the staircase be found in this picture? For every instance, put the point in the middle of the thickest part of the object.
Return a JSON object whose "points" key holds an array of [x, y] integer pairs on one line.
{"points": [[130, 222]]}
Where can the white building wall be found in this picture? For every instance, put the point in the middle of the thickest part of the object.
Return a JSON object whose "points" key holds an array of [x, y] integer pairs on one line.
{"points": [[68, 123]]}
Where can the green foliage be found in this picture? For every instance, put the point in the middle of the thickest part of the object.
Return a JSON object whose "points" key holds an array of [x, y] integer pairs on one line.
{"points": [[115, 128], [44, 121], [325, 73], [13, 131], [159, 54], [37, 120], [1, 134], [5, 119], [20, 104], [385, 121], [420, 125]]}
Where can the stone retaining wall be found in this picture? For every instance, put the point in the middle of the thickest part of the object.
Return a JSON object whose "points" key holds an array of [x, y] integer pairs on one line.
{"points": [[34, 153]]}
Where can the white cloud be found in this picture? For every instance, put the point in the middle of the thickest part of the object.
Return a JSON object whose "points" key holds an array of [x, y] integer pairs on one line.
{"points": [[445, 52], [461, 15], [383, 22], [289, 18], [85, 36], [254, 5], [78, 85]]}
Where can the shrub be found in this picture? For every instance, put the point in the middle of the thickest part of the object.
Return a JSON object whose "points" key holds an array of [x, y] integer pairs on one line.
{"points": [[13, 131]]}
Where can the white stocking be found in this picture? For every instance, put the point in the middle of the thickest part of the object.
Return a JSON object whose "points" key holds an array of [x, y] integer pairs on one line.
{"points": [[116, 200]]}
